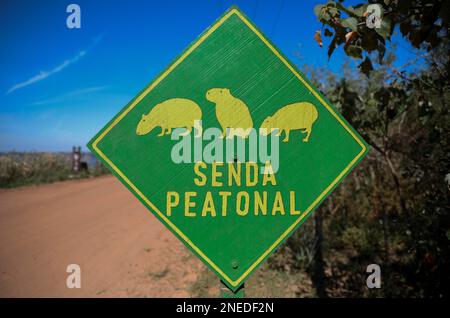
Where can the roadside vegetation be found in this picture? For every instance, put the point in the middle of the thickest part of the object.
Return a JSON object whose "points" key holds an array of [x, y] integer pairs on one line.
{"points": [[28, 168]]}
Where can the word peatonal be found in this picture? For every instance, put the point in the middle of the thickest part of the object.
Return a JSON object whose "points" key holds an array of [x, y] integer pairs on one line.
{"points": [[242, 203]]}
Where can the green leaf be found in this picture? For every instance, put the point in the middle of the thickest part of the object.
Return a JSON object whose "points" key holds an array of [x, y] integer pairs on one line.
{"points": [[366, 66], [332, 46], [334, 12], [324, 16], [354, 51], [358, 10], [318, 9], [351, 23], [385, 29]]}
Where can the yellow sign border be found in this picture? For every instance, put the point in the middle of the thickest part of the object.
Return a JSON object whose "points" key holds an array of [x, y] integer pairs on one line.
{"points": [[161, 215]]}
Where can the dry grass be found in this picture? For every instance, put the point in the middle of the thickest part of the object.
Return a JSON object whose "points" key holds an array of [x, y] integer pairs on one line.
{"points": [[264, 282], [19, 169]]}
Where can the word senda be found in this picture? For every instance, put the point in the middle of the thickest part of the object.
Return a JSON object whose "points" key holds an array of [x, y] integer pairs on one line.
{"points": [[242, 203]]}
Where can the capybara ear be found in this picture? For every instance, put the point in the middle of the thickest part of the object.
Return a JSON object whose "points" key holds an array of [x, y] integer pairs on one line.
{"points": [[227, 90], [143, 116]]}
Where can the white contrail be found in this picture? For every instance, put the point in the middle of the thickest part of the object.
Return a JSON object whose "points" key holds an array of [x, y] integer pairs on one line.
{"points": [[44, 74]]}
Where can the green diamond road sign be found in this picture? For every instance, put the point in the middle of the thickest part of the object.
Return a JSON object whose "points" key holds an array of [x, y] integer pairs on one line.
{"points": [[231, 147]]}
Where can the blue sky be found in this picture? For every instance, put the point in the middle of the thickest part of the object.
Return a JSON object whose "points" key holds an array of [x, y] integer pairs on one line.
{"points": [[59, 86]]}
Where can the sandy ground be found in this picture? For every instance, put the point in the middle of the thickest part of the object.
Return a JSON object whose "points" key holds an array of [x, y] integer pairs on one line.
{"points": [[122, 249]]}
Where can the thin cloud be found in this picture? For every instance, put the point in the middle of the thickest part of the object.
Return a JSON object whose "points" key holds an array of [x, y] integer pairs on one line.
{"points": [[71, 94], [45, 74]]}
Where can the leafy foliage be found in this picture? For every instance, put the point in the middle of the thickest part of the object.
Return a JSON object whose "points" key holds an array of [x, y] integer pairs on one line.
{"points": [[19, 169], [393, 210], [421, 22]]}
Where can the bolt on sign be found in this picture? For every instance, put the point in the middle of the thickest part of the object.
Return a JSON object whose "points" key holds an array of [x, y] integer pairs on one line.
{"points": [[231, 147]]}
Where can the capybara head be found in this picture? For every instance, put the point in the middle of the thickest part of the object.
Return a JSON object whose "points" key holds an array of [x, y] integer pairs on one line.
{"points": [[266, 126], [145, 125], [216, 95]]}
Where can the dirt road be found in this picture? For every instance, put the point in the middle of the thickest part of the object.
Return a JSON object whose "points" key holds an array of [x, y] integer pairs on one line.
{"points": [[122, 249]]}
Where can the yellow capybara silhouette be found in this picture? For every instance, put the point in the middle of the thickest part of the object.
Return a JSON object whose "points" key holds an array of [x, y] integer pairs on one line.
{"points": [[232, 113], [297, 116], [172, 113]]}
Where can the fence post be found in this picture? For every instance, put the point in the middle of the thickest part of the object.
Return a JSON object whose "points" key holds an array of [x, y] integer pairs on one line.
{"points": [[76, 159]]}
